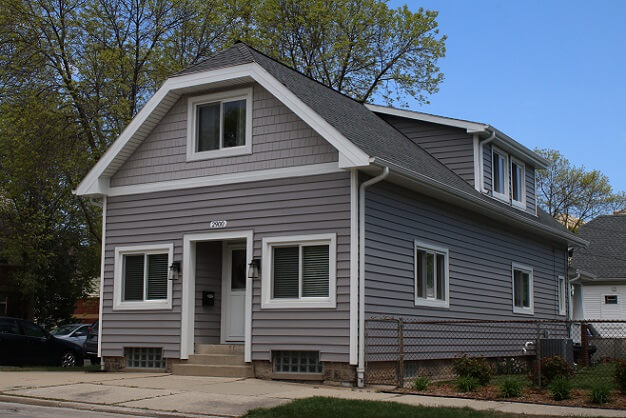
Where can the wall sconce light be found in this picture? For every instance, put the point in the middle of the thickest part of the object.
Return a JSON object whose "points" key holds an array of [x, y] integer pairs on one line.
{"points": [[254, 268], [174, 270]]}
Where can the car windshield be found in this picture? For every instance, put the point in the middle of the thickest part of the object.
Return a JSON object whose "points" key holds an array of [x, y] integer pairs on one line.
{"points": [[64, 330]]}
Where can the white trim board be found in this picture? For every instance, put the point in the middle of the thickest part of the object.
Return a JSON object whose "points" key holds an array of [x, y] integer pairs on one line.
{"points": [[189, 284], [170, 91], [222, 179], [102, 260], [354, 266]]}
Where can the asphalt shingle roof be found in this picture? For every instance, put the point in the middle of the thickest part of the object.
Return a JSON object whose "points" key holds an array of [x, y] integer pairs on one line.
{"points": [[358, 124], [606, 255]]}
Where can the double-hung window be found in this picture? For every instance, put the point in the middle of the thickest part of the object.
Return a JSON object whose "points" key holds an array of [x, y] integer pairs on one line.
{"points": [[500, 174], [299, 272], [219, 125], [562, 295], [518, 183], [522, 289], [141, 277], [431, 275]]}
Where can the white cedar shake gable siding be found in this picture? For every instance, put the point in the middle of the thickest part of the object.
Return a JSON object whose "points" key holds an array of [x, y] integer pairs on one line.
{"points": [[280, 139]]}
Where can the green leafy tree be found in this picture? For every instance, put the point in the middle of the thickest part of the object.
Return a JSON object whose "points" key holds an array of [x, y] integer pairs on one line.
{"points": [[572, 194]]}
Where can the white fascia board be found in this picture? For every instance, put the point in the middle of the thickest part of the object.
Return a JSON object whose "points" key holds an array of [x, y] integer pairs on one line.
{"points": [[470, 127], [350, 154]]}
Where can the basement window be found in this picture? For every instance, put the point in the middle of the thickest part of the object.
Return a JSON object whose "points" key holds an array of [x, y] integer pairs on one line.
{"points": [[144, 358], [297, 362]]}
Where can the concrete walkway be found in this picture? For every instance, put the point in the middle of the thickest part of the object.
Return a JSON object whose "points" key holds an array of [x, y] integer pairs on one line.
{"points": [[156, 394]]}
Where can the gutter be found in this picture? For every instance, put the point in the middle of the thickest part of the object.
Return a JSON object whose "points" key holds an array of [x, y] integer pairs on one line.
{"points": [[476, 202], [360, 370]]}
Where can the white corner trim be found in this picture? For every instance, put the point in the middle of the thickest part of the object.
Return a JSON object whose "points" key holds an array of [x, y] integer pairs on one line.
{"points": [[173, 87], [354, 265], [528, 269], [118, 304], [478, 178], [225, 179], [102, 260], [222, 97], [435, 303], [267, 302], [189, 284], [562, 295]]}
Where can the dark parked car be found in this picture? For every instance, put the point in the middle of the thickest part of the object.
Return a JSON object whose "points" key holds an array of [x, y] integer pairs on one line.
{"points": [[90, 347], [23, 343]]}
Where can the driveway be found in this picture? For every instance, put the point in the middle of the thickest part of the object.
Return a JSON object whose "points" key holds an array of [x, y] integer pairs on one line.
{"points": [[155, 394]]}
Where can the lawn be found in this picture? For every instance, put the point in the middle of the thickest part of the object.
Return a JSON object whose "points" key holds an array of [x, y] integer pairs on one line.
{"points": [[587, 377], [319, 407]]}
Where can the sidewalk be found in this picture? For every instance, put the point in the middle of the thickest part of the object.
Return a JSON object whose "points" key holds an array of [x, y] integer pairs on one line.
{"points": [[156, 394]]}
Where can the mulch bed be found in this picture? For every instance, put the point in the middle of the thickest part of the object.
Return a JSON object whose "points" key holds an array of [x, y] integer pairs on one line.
{"points": [[529, 395]]}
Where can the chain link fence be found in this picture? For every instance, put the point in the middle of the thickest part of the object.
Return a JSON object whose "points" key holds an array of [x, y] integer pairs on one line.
{"points": [[400, 350]]}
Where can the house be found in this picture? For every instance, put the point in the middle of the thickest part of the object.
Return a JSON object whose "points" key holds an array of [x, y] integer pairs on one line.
{"points": [[598, 276], [254, 218]]}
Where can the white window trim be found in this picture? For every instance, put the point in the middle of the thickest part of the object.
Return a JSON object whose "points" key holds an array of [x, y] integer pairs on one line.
{"points": [[525, 268], [502, 196], [438, 303], [228, 96], [562, 294], [521, 204], [267, 302], [120, 252]]}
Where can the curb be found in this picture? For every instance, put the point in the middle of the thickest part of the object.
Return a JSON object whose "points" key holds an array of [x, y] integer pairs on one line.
{"points": [[83, 406]]}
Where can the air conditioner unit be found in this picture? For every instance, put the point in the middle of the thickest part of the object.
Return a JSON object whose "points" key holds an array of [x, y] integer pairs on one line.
{"points": [[563, 347]]}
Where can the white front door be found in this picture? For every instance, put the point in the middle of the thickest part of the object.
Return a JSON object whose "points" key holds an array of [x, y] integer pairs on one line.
{"points": [[234, 273]]}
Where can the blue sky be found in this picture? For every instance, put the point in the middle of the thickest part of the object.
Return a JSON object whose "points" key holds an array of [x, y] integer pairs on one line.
{"points": [[551, 74]]}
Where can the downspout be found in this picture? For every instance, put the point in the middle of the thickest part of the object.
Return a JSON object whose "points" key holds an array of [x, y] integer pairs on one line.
{"points": [[360, 370], [481, 160]]}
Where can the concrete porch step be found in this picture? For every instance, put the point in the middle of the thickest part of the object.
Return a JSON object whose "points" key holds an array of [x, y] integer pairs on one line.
{"points": [[218, 349], [187, 369], [217, 359]]}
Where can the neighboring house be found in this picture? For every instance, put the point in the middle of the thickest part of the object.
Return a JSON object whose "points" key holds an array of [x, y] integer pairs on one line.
{"points": [[250, 209], [87, 309], [598, 276]]}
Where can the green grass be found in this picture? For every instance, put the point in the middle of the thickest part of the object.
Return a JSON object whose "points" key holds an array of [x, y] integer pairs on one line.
{"points": [[319, 407], [589, 377]]}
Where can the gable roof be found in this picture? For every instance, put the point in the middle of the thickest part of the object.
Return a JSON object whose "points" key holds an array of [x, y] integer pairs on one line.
{"points": [[360, 135], [605, 257]]}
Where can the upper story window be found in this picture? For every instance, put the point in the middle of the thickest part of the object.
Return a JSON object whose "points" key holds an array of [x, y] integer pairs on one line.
{"points": [[299, 272], [141, 277], [518, 189], [431, 275], [219, 125], [562, 295], [610, 299], [522, 289], [500, 173]]}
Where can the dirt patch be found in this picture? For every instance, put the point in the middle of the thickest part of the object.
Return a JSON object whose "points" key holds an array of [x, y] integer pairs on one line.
{"points": [[529, 395]]}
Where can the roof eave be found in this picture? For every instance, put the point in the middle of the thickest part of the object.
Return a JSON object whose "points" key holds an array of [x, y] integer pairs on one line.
{"points": [[473, 202]]}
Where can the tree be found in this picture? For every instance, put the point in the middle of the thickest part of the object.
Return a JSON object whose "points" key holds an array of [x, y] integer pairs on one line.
{"points": [[573, 195], [73, 73]]}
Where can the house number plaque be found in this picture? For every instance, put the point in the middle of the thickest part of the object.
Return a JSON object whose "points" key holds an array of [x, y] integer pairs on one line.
{"points": [[218, 224]]}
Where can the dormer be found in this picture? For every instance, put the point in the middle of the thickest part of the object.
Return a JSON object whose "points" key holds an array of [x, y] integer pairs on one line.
{"points": [[486, 158]]}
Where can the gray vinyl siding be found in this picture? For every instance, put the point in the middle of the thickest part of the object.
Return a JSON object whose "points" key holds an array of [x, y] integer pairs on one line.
{"points": [[481, 253], [306, 205], [279, 139], [531, 196], [487, 168], [454, 147], [208, 278]]}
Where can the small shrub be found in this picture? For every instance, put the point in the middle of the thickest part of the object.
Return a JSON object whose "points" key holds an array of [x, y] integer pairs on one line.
{"points": [[510, 366], [421, 383], [620, 376], [600, 394], [553, 367], [478, 368], [467, 383], [560, 388], [510, 388]]}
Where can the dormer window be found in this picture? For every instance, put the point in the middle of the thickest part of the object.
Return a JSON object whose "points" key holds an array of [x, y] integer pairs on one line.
{"points": [[219, 125], [500, 173], [518, 174]]}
